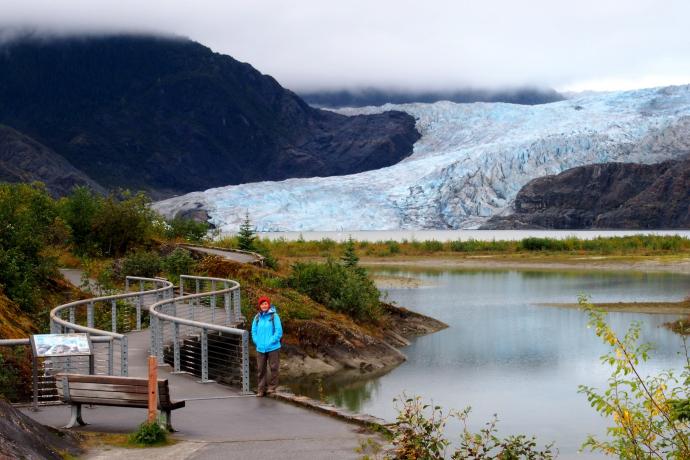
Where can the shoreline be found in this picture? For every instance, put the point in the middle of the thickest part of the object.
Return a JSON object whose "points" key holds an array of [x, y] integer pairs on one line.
{"points": [[650, 264]]}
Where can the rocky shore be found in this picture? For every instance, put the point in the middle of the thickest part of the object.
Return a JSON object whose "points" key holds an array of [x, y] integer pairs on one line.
{"points": [[317, 347]]}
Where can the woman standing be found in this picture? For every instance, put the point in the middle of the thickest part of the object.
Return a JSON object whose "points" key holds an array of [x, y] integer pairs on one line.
{"points": [[266, 334]]}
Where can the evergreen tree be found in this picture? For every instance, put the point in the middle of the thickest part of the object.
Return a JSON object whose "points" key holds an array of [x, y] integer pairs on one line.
{"points": [[349, 256], [246, 235]]}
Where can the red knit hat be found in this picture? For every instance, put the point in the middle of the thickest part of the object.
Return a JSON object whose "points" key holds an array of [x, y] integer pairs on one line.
{"points": [[263, 299]]}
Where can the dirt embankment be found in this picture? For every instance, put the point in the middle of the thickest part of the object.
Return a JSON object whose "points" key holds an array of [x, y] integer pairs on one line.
{"points": [[317, 340], [322, 347]]}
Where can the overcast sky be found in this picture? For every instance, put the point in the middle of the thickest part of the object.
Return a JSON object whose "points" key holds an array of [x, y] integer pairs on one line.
{"points": [[429, 44]]}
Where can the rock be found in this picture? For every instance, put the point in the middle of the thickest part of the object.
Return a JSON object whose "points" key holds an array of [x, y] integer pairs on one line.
{"points": [[609, 195], [23, 159], [22, 437]]}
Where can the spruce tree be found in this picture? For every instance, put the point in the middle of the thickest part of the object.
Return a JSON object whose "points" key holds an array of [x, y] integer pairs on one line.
{"points": [[349, 256], [246, 235]]}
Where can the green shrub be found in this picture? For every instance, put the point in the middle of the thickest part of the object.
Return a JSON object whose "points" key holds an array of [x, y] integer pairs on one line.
{"points": [[189, 229], [647, 411], [148, 434], [27, 224], [337, 287], [418, 433], [142, 263], [432, 246], [179, 262], [107, 226], [393, 246]]}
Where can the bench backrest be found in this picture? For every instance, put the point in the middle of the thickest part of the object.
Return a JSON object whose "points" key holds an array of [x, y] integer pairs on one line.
{"points": [[109, 390]]}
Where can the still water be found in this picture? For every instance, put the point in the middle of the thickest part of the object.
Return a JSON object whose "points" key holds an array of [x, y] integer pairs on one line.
{"points": [[507, 353]]}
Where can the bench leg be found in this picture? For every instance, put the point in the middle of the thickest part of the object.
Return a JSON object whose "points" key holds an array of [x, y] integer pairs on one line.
{"points": [[166, 416], [76, 416]]}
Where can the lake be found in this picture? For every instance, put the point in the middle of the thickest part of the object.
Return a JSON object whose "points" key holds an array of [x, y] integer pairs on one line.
{"points": [[463, 235], [505, 352]]}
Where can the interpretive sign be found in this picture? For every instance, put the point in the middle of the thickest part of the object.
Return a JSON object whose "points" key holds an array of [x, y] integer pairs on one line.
{"points": [[45, 345]]}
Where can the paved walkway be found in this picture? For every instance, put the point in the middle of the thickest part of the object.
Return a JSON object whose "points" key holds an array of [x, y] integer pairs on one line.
{"points": [[218, 422], [241, 257]]}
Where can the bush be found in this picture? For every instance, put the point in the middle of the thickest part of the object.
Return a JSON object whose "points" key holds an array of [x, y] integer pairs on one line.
{"points": [[189, 229], [27, 225], [418, 433], [337, 287], [148, 434], [142, 263], [647, 412], [179, 262], [432, 246]]}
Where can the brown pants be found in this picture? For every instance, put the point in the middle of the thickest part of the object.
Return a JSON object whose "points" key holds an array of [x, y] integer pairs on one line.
{"points": [[264, 361]]}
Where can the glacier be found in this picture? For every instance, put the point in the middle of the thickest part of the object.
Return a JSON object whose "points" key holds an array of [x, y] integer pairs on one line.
{"points": [[469, 164]]}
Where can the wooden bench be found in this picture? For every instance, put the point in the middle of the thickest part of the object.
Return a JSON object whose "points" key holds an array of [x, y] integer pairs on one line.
{"points": [[105, 390]]}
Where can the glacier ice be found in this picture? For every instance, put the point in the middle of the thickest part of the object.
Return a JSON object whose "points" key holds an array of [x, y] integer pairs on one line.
{"points": [[469, 164]]}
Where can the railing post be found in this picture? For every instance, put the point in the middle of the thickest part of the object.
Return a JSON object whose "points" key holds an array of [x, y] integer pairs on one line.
{"points": [[140, 302], [238, 307], [110, 356], [126, 284], [71, 317], [124, 370], [213, 302], [245, 362], [152, 329], [226, 304], [89, 315], [34, 381], [176, 347], [113, 315], [159, 345], [204, 356]]}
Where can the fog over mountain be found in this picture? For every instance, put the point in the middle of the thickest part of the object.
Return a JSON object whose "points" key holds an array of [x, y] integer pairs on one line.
{"points": [[376, 96]]}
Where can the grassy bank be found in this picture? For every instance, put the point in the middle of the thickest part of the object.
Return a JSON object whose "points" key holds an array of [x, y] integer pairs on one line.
{"points": [[638, 245]]}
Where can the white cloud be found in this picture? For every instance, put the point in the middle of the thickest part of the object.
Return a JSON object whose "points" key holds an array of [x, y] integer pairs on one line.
{"points": [[405, 44]]}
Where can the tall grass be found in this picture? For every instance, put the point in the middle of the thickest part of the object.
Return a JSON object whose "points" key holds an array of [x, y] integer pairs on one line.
{"points": [[624, 245]]}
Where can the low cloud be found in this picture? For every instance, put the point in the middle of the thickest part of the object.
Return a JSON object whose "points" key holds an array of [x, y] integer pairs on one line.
{"points": [[310, 45]]}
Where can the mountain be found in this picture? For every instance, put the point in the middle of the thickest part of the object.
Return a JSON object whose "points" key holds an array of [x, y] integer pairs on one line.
{"points": [[22, 159], [470, 163], [170, 116], [609, 195], [374, 96]]}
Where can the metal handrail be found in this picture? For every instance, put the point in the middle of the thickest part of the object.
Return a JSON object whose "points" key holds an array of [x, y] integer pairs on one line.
{"points": [[158, 317], [57, 324], [35, 384]]}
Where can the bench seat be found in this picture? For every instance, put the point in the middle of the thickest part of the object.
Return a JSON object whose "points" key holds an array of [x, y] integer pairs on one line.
{"points": [[106, 390]]}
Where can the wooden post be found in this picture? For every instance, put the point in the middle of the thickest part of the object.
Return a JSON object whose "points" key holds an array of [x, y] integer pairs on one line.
{"points": [[153, 389]]}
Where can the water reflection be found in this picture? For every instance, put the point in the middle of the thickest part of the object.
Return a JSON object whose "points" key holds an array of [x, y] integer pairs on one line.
{"points": [[505, 352]]}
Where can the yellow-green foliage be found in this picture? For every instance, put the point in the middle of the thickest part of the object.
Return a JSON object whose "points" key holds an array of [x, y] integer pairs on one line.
{"points": [[627, 245], [647, 413]]}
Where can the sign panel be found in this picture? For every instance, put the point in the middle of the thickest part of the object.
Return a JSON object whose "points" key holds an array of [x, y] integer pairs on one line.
{"points": [[45, 345]]}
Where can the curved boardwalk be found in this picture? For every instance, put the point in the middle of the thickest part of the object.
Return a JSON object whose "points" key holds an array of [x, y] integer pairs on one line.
{"points": [[218, 422], [229, 254]]}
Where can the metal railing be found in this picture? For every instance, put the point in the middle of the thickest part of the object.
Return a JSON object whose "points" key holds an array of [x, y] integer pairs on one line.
{"points": [[197, 333], [112, 316], [31, 379]]}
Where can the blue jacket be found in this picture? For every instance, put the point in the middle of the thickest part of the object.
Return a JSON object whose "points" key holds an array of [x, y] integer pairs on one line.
{"points": [[267, 331]]}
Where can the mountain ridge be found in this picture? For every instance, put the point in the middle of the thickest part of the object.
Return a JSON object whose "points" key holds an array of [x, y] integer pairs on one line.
{"points": [[169, 116]]}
